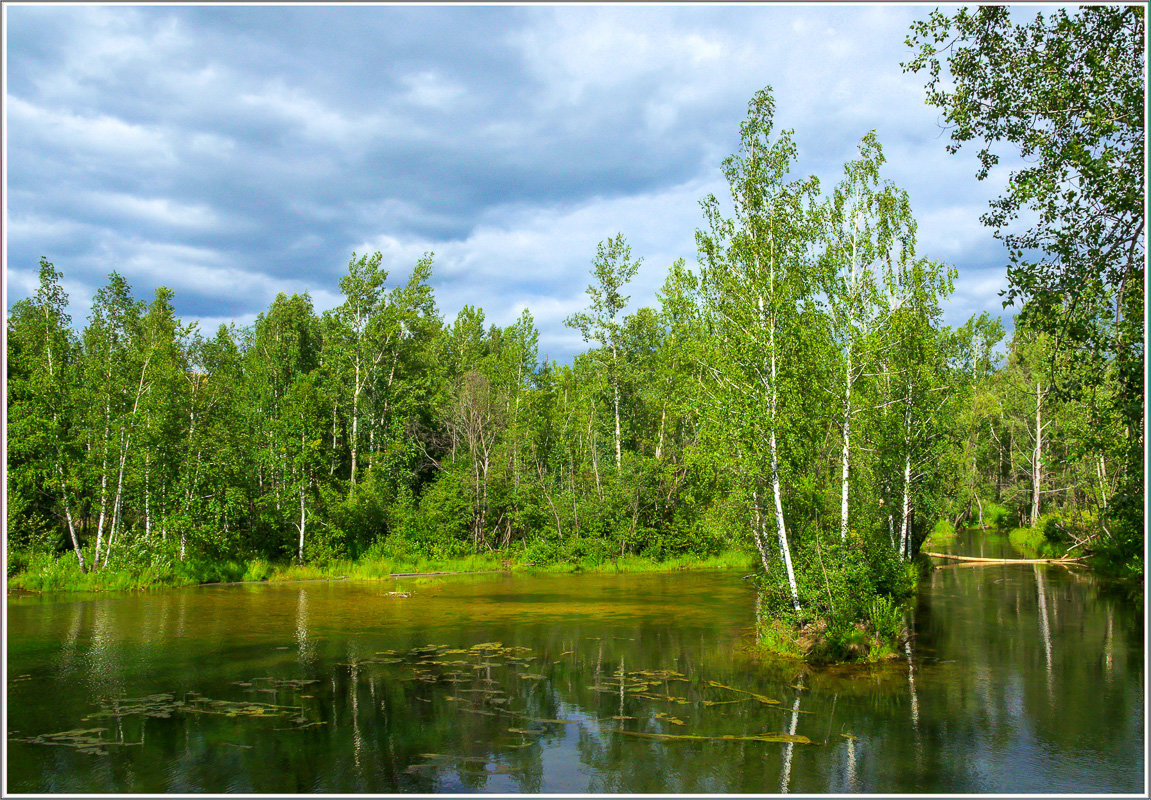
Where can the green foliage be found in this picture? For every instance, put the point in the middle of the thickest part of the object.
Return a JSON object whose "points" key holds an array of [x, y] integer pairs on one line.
{"points": [[942, 533], [886, 616], [996, 516], [1066, 92]]}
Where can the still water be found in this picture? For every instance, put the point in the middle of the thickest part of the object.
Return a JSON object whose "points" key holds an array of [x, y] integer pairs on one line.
{"points": [[1019, 678]]}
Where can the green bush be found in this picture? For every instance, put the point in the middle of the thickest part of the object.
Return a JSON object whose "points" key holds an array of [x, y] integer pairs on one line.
{"points": [[996, 516], [943, 533], [886, 616], [257, 570]]}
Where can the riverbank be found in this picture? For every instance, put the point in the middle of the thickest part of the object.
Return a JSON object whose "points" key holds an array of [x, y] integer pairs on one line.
{"points": [[62, 574]]}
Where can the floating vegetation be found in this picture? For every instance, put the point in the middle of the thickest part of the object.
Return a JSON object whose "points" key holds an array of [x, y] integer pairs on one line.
{"points": [[753, 695], [164, 705], [552, 721], [666, 737], [89, 740], [851, 737], [688, 737], [661, 674], [769, 737], [666, 698]]}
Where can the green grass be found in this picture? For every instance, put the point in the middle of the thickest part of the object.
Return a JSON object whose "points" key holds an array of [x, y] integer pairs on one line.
{"points": [[943, 533], [629, 564], [44, 573]]}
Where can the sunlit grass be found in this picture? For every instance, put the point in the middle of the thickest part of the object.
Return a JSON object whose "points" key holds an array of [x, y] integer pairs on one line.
{"points": [[62, 573], [942, 534], [633, 564]]}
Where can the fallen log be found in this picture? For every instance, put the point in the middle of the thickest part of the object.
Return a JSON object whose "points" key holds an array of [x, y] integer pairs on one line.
{"points": [[1005, 560]]}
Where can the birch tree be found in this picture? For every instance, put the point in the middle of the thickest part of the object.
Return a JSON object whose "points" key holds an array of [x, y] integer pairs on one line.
{"points": [[756, 273], [612, 270], [42, 458], [868, 243]]}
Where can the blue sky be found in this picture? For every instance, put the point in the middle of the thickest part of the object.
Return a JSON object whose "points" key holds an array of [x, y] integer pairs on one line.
{"points": [[232, 152]]}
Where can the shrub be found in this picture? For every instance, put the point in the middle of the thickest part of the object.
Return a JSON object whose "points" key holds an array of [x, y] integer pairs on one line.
{"points": [[942, 533], [257, 570], [996, 516], [886, 617]]}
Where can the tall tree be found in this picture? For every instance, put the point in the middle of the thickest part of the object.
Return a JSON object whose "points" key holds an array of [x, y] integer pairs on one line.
{"points": [[869, 245], [612, 270], [41, 366], [1066, 93], [756, 275]]}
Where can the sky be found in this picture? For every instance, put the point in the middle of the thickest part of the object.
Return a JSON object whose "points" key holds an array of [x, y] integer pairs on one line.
{"points": [[232, 153]]}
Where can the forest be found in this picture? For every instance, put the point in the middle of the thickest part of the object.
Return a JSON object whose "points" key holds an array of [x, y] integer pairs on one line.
{"points": [[794, 397]]}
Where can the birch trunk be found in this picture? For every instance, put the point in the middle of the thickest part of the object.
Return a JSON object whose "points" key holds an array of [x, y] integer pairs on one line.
{"points": [[757, 534], [904, 544], [779, 527], [846, 457], [1037, 455], [147, 498], [355, 419], [103, 483], [300, 549], [777, 493], [904, 526], [68, 517]]}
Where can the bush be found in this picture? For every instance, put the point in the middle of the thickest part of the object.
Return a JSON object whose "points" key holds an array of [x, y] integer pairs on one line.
{"points": [[943, 533], [996, 516], [886, 617], [257, 570]]}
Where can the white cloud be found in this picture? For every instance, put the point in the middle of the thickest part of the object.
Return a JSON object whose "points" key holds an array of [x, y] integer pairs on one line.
{"points": [[106, 140], [428, 89], [159, 210]]}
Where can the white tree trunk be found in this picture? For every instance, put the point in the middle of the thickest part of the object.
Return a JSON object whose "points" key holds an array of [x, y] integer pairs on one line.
{"points": [[147, 504], [905, 512], [615, 393], [355, 419], [846, 457], [779, 527], [905, 525], [300, 549], [757, 534], [68, 517], [1037, 455]]}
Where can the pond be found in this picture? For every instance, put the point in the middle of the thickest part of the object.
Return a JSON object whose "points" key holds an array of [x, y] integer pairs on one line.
{"points": [[1019, 678]]}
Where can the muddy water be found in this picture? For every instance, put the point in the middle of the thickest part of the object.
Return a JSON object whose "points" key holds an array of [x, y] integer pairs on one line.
{"points": [[1019, 679]]}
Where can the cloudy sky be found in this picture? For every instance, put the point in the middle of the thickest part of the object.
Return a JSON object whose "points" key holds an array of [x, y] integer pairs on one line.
{"points": [[232, 153]]}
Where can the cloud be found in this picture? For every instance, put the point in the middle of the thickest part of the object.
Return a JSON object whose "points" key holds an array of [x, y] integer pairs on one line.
{"points": [[233, 152]]}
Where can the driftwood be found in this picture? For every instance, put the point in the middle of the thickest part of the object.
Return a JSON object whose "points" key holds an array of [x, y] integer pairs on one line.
{"points": [[1005, 560]]}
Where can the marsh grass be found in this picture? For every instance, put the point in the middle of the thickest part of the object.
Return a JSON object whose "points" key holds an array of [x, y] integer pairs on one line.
{"points": [[44, 573], [942, 534], [632, 564]]}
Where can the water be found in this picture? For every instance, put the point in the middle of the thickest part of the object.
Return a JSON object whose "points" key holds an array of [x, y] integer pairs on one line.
{"points": [[1020, 678]]}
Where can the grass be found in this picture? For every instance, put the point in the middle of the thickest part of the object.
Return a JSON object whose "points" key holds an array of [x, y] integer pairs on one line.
{"points": [[821, 640], [43, 573], [629, 564], [943, 533]]}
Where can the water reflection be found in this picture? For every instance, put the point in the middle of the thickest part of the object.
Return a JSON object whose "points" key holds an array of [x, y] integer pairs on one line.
{"points": [[571, 684], [785, 781]]}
